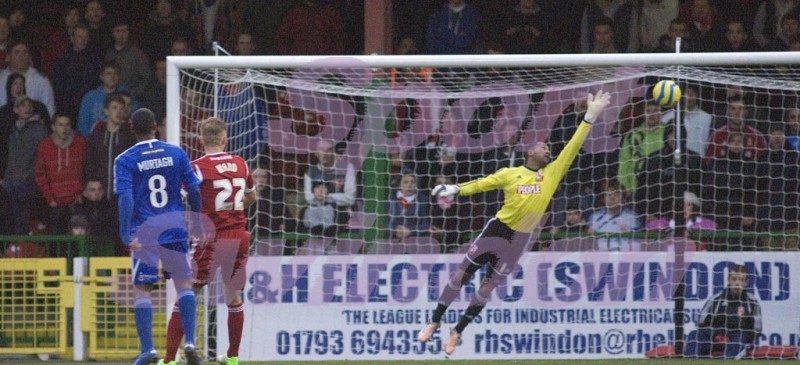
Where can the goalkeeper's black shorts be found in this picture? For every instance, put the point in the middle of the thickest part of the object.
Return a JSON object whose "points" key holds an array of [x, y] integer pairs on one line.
{"points": [[499, 246]]}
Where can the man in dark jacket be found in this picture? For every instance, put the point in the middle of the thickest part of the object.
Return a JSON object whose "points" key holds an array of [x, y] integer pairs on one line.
{"points": [[106, 141], [729, 321], [26, 134]]}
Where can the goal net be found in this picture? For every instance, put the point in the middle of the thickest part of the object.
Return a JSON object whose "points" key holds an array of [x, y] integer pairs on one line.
{"points": [[346, 151]]}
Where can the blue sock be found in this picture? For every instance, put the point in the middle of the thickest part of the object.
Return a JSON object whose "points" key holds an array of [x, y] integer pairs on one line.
{"points": [[186, 305], [143, 313]]}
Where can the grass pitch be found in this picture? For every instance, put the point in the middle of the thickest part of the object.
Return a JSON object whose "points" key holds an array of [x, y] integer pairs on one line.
{"points": [[440, 362]]}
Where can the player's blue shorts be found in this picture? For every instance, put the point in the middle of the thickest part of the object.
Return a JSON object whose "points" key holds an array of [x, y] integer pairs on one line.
{"points": [[174, 261]]}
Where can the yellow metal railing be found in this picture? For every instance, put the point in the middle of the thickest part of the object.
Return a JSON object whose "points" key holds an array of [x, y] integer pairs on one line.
{"points": [[107, 304], [34, 297], [107, 317]]}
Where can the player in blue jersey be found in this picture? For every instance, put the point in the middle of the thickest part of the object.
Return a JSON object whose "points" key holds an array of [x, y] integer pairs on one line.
{"points": [[147, 180]]}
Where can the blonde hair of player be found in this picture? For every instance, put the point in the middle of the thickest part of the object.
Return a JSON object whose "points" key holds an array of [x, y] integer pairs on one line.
{"points": [[213, 134]]}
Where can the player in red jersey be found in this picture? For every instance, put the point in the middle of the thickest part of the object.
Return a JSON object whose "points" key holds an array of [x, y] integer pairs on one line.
{"points": [[227, 190]]}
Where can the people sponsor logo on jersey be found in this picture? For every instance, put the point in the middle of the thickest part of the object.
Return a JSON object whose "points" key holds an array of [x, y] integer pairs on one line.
{"points": [[529, 189]]}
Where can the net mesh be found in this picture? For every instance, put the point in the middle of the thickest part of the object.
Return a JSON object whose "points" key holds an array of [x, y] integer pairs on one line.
{"points": [[345, 157], [359, 130]]}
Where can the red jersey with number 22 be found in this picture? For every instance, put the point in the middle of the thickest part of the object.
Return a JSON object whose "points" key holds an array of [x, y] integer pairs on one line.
{"points": [[224, 179]]}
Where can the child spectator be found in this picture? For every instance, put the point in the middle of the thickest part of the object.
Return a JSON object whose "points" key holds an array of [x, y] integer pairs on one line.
{"points": [[341, 179], [78, 226], [573, 222], [409, 211], [321, 217], [692, 208], [246, 45], [614, 218], [96, 209], [15, 88]]}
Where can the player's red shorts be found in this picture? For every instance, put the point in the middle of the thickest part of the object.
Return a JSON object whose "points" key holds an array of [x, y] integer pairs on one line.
{"points": [[228, 251]]}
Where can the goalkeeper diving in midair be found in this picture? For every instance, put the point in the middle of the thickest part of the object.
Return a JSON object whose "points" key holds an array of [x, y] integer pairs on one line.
{"points": [[528, 190]]}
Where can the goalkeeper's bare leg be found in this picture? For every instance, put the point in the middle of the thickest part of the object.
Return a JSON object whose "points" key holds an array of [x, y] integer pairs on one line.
{"points": [[449, 293]]}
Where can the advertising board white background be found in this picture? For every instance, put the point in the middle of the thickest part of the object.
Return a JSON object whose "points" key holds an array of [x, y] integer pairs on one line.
{"points": [[555, 306]]}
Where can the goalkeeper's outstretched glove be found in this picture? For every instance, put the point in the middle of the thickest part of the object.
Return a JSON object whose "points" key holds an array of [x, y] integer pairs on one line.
{"points": [[596, 104], [445, 190]]}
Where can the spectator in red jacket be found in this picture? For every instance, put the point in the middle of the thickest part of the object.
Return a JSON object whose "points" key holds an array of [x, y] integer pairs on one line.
{"points": [[755, 145], [59, 171]]}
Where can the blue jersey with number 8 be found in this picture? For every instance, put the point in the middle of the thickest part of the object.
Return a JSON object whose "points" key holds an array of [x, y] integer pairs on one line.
{"points": [[154, 172]]}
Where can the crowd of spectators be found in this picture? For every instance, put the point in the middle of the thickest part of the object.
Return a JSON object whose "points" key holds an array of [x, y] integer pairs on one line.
{"points": [[73, 72], [595, 26], [738, 174]]}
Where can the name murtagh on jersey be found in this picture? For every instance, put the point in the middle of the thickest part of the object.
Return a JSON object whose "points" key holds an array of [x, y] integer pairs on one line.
{"points": [[155, 163]]}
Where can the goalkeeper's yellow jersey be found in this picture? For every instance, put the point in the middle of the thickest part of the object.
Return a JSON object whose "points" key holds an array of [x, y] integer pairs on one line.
{"points": [[528, 192]]}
